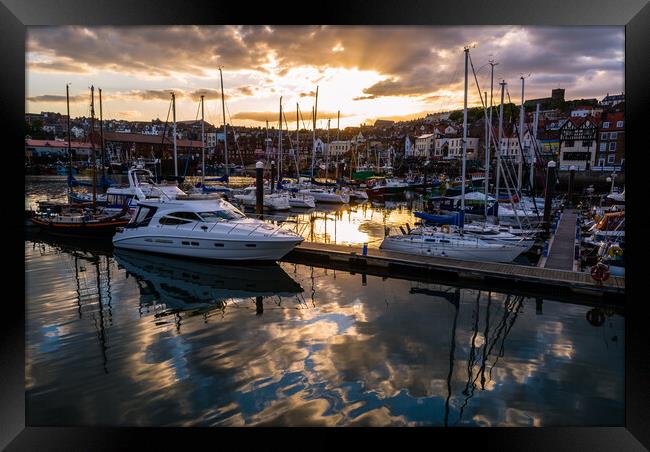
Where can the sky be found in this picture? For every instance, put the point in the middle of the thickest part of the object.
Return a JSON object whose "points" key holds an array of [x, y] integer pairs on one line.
{"points": [[365, 72]]}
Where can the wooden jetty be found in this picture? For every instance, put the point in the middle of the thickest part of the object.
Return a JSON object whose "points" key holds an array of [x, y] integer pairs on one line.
{"points": [[561, 251], [531, 281]]}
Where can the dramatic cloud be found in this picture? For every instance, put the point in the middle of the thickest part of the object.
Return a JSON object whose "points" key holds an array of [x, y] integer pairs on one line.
{"points": [[273, 116], [57, 98], [422, 65]]}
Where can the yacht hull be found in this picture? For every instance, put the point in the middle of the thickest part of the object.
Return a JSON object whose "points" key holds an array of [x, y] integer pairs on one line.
{"points": [[490, 254], [207, 248]]}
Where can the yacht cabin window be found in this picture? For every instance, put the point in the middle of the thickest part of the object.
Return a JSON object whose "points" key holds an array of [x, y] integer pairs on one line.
{"points": [[144, 215], [220, 215]]}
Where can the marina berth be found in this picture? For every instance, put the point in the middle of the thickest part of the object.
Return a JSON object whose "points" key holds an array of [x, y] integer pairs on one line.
{"points": [[272, 201], [203, 229], [329, 196]]}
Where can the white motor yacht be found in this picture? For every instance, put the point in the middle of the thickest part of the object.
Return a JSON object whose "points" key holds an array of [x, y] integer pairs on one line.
{"points": [[141, 187], [212, 229], [331, 196], [301, 200], [453, 245], [272, 201]]}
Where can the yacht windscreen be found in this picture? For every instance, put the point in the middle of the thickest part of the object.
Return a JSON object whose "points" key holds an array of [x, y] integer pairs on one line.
{"points": [[219, 215]]}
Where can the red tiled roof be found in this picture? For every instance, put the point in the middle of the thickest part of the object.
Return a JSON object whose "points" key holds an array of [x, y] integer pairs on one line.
{"points": [[148, 139], [56, 143]]}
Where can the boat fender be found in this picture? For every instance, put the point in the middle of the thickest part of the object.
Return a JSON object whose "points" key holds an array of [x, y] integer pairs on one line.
{"points": [[408, 228], [615, 251], [402, 229], [596, 317], [600, 272]]}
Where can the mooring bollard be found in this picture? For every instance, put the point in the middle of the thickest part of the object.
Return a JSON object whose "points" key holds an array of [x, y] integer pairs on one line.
{"points": [[365, 249], [259, 185]]}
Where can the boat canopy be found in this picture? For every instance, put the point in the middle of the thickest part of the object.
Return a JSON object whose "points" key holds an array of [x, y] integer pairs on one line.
{"points": [[456, 218]]}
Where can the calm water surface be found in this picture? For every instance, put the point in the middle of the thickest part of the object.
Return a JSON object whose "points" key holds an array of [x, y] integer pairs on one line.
{"points": [[124, 338], [131, 339]]}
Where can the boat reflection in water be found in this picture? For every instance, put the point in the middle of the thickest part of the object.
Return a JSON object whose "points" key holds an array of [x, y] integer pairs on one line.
{"points": [[149, 340], [183, 284]]}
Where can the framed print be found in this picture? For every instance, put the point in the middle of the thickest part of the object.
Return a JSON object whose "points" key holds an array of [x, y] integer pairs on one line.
{"points": [[411, 216]]}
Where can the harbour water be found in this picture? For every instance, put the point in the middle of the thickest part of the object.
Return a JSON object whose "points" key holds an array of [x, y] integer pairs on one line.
{"points": [[130, 339]]}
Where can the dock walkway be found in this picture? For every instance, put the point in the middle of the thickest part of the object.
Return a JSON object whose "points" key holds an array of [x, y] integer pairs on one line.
{"points": [[402, 265], [561, 253]]}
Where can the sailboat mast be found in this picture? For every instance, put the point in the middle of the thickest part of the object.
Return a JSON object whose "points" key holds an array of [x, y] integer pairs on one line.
{"points": [[280, 144], [313, 152], [67, 101], [500, 151], [462, 190], [327, 155], [297, 141], [338, 138], [225, 133], [487, 156], [202, 143], [92, 144], [174, 132], [101, 135], [521, 137], [532, 151]]}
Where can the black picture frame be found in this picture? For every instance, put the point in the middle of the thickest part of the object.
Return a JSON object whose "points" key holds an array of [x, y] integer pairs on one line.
{"points": [[16, 15]]}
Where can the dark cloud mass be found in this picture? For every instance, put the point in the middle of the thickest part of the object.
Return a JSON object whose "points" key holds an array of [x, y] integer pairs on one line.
{"points": [[57, 98], [272, 116], [414, 61]]}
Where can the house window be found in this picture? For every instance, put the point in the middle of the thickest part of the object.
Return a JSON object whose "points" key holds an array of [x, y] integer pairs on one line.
{"points": [[604, 135], [619, 124], [612, 146], [603, 147], [586, 144], [610, 158], [606, 125], [569, 143], [612, 136], [601, 162]]}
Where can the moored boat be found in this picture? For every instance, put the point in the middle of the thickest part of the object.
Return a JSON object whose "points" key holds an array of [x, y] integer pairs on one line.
{"points": [[203, 229]]}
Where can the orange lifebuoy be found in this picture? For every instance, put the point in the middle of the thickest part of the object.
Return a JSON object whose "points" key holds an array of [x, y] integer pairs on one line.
{"points": [[600, 272]]}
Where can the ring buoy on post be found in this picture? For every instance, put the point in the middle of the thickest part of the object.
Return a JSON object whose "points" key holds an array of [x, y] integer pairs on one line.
{"points": [[600, 272]]}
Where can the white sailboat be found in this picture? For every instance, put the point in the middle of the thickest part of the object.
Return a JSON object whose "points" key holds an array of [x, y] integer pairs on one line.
{"points": [[456, 243]]}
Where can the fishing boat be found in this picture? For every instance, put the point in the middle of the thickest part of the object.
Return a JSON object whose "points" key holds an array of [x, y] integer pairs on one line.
{"points": [[81, 222], [272, 201], [203, 229]]}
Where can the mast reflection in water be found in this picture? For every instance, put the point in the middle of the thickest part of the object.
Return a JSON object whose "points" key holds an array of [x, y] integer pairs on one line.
{"points": [[133, 339]]}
